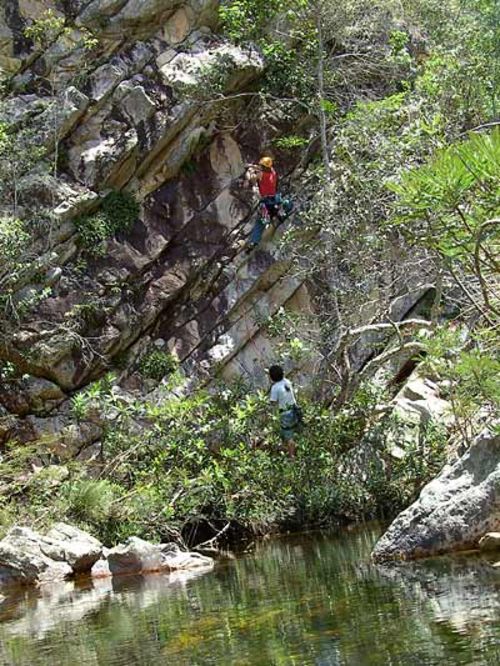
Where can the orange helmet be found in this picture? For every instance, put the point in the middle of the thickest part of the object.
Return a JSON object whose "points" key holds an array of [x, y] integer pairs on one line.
{"points": [[266, 162]]}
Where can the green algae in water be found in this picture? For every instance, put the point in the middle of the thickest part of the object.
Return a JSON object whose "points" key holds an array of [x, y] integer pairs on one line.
{"points": [[309, 599]]}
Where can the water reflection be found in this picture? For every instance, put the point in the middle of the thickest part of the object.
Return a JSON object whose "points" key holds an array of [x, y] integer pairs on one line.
{"points": [[453, 588], [37, 611], [301, 600]]}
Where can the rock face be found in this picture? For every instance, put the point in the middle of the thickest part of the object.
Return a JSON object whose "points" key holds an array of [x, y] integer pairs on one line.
{"points": [[81, 551], [419, 402], [161, 107], [453, 511], [134, 556], [417, 405], [140, 112]]}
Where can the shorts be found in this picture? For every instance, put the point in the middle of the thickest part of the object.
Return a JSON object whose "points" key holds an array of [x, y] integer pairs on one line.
{"points": [[289, 424]]}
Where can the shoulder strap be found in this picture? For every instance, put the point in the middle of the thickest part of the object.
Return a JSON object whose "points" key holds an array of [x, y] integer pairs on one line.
{"points": [[290, 388]]}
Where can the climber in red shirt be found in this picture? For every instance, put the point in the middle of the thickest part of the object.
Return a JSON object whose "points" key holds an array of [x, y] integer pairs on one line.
{"points": [[267, 178], [270, 205]]}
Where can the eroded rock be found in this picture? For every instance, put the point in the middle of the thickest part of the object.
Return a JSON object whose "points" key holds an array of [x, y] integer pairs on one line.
{"points": [[27, 557], [175, 559], [134, 556], [139, 556]]}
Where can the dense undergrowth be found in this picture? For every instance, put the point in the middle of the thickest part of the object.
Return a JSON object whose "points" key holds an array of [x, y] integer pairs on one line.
{"points": [[186, 468]]}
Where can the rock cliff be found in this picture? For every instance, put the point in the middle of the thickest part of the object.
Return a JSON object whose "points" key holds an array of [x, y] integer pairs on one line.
{"points": [[143, 98], [143, 118]]}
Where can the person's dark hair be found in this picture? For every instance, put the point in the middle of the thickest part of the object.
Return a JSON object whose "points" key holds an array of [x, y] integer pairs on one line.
{"points": [[276, 373]]}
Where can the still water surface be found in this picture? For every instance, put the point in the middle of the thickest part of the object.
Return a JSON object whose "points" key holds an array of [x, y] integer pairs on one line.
{"points": [[309, 599]]}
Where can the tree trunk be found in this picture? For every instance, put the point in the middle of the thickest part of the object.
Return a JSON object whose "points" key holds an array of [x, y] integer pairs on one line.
{"points": [[321, 90]]}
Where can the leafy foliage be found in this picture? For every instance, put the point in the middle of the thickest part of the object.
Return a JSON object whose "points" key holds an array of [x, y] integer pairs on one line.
{"points": [[444, 204], [157, 363], [244, 20], [216, 457], [471, 373], [13, 239], [291, 142], [46, 28], [91, 501], [118, 212]]}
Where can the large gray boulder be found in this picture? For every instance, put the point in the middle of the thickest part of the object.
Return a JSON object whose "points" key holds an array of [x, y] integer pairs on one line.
{"points": [[26, 557], [134, 556], [29, 557], [80, 550], [453, 511]]}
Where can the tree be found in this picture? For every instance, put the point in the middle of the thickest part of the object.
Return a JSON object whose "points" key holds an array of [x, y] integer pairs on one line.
{"points": [[451, 207]]}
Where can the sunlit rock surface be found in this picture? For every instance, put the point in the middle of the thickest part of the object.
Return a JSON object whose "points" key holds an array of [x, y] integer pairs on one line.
{"points": [[453, 511], [27, 557], [81, 550], [31, 558], [139, 556]]}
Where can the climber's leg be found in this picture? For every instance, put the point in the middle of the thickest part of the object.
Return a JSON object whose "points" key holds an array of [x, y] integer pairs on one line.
{"points": [[257, 232], [281, 211]]}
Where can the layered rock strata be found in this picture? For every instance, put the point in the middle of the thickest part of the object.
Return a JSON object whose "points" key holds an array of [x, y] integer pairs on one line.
{"points": [[143, 98]]}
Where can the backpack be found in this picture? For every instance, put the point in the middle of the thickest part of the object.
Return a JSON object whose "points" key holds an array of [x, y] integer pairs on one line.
{"points": [[299, 415]]}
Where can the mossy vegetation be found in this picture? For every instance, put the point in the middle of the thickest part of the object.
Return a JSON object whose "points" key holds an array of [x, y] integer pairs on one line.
{"points": [[157, 363], [117, 213]]}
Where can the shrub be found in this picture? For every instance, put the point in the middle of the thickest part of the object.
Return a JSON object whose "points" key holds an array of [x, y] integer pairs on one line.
{"points": [[157, 363], [118, 212], [90, 501], [214, 457], [13, 239]]}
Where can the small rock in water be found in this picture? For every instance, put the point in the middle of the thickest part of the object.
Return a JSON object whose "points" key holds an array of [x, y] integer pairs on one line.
{"points": [[29, 557], [26, 557], [490, 541], [139, 556]]}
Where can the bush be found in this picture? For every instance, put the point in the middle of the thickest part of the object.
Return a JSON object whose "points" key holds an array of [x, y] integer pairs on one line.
{"points": [[214, 457], [118, 212], [156, 364], [90, 501], [13, 239]]}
